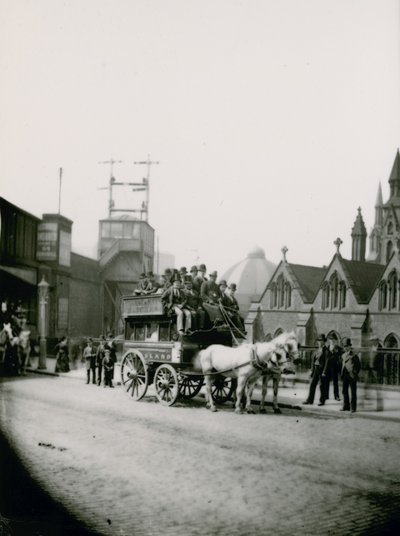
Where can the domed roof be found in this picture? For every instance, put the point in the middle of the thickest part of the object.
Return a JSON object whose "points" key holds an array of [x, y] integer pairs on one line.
{"points": [[251, 276]]}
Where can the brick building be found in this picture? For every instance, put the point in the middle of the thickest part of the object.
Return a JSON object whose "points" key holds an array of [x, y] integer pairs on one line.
{"points": [[354, 298], [83, 292]]}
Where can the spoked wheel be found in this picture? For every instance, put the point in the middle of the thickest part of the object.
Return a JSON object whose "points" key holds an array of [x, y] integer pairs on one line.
{"points": [[166, 384], [222, 389], [134, 375], [189, 386]]}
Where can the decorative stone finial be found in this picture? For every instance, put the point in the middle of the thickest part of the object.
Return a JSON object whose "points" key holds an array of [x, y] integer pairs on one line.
{"points": [[284, 251], [338, 242]]}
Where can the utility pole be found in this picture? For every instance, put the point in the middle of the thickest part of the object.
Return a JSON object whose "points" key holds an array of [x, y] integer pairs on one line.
{"points": [[59, 190], [147, 163], [112, 181]]}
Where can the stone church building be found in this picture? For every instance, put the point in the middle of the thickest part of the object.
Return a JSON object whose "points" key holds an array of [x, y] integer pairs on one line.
{"points": [[357, 298]]}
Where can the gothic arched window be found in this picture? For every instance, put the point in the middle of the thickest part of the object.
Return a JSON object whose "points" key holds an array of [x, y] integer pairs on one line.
{"points": [[272, 296], [389, 250], [288, 295], [342, 295], [392, 285], [281, 291], [382, 295], [325, 295], [334, 284], [390, 228]]}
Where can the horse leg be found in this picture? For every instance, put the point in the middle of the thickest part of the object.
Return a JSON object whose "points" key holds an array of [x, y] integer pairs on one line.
{"points": [[263, 393], [275, 406], [249, 391], [209, 399], [241, 384]]}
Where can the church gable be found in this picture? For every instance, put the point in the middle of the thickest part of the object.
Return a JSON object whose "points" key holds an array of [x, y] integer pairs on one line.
{"points": [[284, 291], [335, 292], [385, 296]]}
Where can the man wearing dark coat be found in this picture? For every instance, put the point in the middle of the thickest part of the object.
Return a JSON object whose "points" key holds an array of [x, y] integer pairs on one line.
{"points": [[351, 366], [318, 364], [175, 301], [199, 277], [332, 367]]}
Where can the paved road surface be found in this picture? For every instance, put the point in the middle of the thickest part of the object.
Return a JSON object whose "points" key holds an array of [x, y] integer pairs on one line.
{"points": [[129, 468]]}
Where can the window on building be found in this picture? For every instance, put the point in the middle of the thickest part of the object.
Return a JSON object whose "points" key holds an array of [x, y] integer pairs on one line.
{"points": [[334, 284], [272, 295], [382, 295], [389, 250], [390, 228], [325, 295], [342, 295], [281, 291], [288, 295], [392, 286]]}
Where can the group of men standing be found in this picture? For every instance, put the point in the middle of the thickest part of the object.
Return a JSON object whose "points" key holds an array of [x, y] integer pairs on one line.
{"points": [[193, 297], [329, 362], [101, 360]]}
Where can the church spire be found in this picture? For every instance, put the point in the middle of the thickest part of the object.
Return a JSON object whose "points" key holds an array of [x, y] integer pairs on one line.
{"points": [[359, 238], [379, 207], [394, 179]]}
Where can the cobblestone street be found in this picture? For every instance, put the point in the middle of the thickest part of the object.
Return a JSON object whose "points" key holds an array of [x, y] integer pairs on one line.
{"points": [[140, 468]]}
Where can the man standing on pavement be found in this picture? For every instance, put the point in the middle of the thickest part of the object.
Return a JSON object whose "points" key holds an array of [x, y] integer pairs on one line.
{"points": [[318, 364], [332, 367], [350, 369], [374, 378]]}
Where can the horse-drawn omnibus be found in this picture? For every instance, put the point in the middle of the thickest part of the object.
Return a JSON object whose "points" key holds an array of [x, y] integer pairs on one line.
{"points": [[154, 353]]}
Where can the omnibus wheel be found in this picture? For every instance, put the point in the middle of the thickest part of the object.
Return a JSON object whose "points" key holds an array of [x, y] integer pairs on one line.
{"points": [[166, 384], [134, 375], [222, 389], [189, 386]]}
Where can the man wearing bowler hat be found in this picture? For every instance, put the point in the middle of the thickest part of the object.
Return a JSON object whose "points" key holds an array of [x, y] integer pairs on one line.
{"points": [[350, 369], [332, 367], [318, 364]]}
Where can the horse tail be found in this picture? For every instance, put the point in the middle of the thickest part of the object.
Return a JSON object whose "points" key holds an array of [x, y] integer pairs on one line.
{"points": [[202, 359]]}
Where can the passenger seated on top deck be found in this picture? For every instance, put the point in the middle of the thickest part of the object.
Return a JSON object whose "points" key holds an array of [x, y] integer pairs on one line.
{"points": [[141, 286], [210, 296], [193, 303], [183, 274], [152, 285], [198, 276], [231, 304], [210, 292], [175, 301], [167, 281]]}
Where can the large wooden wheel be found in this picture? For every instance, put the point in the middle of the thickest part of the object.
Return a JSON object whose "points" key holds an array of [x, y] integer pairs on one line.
{"points": [[222, 389], [189, 386], [166, 384], [134, 375]]}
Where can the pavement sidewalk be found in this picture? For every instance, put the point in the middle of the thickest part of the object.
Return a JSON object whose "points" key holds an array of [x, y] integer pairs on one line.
{"points": [[382, 403]]}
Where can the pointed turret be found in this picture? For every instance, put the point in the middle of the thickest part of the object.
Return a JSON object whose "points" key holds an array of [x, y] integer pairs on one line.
{"points": [[379, 207], [359, 237], [394, 179]]}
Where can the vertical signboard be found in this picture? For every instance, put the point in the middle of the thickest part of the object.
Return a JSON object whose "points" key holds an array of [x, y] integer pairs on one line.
{"points": [[47, 242], [65, 249]]}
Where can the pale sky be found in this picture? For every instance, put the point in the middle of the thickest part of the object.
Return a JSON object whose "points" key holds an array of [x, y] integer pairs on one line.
{"points": [[272, 120]]}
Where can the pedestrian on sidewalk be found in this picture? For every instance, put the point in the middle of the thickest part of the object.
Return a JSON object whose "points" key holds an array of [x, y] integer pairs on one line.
{"points": [[351, 366], [108, 367], [332, 367], [99, 358], [62, 357], [89, 356], [374, 379], [318, 364]]}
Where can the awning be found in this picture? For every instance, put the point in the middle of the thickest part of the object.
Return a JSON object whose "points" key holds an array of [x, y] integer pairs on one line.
{"points": [[28, 275]]}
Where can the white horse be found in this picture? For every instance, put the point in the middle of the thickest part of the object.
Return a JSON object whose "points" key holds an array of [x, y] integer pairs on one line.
{"points": [[248, 363]]}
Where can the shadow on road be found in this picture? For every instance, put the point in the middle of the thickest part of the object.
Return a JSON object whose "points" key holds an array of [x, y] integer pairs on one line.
{"points": [[25, 509]]}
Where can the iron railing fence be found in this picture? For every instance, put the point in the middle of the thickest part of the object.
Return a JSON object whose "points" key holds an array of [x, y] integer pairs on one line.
{"points": [[386, 373]]}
